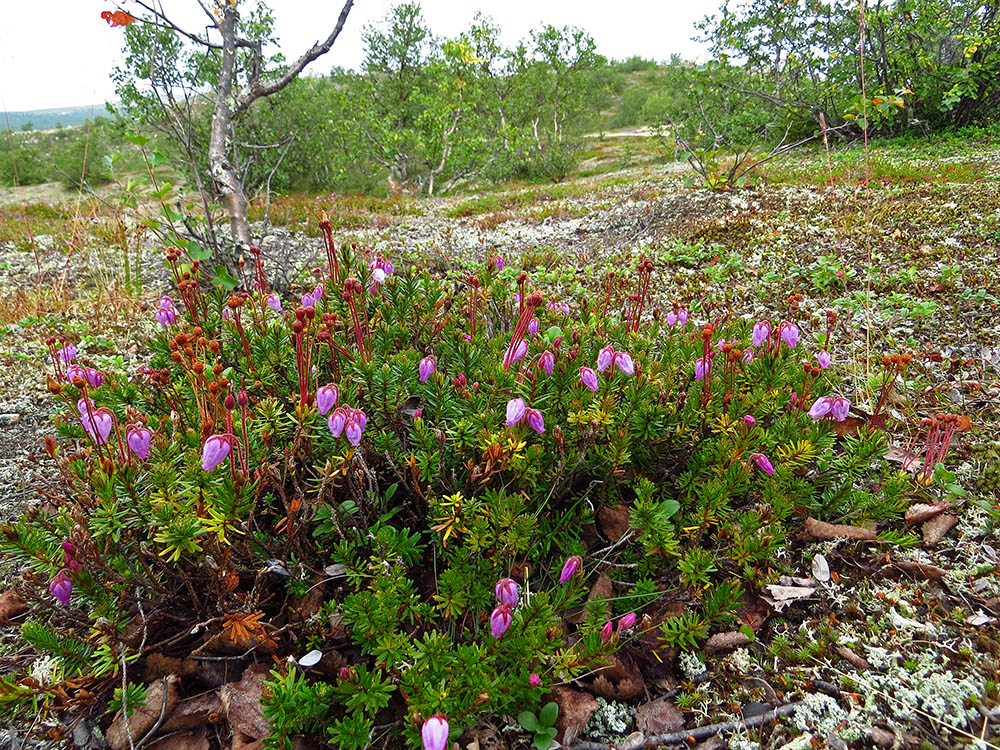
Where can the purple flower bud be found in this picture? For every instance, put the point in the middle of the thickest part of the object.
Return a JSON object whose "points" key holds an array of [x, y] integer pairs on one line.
{"points": [[820, 408], [61, 587], [326, 398], [623, 361], [535, 420], [748, 355], [790, 335], [460, 381], [606, 631], [318, 293], [534, 680], [626, 621], [426, 368], [378, 278], [682, 317], [166, 303], [499, 263], [749, 420], [516, 351], [761, 332], [84, 405], [702, 367], [361, 418], [434, 733], [570, 568], [547, 362], [138, 439], [274, 302], [515, 410], [500, 620], [604, 358], [762, 462], [589, 378], [824, 359], [839, 408], [215, 450], [352, 431], [336, 422], [507, 592], [68, 353], [533, 325], [307, 300], [671, 318]]}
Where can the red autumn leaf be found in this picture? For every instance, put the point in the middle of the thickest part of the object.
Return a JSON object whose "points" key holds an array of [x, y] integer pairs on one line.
{"points": [[117, 18]]}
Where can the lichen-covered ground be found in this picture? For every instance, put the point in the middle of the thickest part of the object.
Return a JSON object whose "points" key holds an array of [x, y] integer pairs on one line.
{"points": [[894, 648]]}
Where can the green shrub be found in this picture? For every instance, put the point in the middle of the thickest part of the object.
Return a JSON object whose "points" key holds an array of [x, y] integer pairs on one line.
{"points": [[377, 532]]}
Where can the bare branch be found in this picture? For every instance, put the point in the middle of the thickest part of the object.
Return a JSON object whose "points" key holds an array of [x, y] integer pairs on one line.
{"points": [[256, 88]]}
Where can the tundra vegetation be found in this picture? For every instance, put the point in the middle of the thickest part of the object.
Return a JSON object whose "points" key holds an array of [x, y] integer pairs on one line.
{"points": [[508, 423]]}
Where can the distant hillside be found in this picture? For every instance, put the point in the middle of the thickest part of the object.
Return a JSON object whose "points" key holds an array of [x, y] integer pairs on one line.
{"points": [[46, 119]]}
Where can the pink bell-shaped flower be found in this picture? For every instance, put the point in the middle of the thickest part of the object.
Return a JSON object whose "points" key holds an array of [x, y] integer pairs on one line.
{"points": [[761, 332], [215, 450], [507, 592], [98, 424], [326, 398], [426, 368], [570, 567], [336, 422], [623, 361], [762, 462], [500, 620], [535, 420], [515, 410], [589, 378], [138, 438], [434, 733], [547, 362], [604, 358], [61, 587]]}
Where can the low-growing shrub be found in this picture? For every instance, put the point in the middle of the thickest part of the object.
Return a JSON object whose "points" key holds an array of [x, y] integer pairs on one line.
{"points": [[398, 490]]}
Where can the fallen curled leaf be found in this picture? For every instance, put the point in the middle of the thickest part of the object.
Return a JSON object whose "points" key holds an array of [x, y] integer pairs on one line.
{"points": [[829, 531], [935, 529], [161, 698], [726, 641], [575, 710], [820, 569], [922, 571], [11, 605], [920, 512], [781, 596], [658, 717], [859, 662]]}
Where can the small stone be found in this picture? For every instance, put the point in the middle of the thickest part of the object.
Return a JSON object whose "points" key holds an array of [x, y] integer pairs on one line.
{"points": [[980, 585], [821, 569], [882, 737], [6, 420]]}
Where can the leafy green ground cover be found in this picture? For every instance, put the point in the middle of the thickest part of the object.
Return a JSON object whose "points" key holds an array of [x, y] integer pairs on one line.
{"points": [[881, 629]]}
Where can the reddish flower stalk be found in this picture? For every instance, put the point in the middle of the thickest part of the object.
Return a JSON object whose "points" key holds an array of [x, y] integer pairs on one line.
{"points": [[352, 291], [642, 293], [187, 286], [707, 354], [331, 251], [608, 285], [234, 304], [894, 365], [812, 373], [940, 429], [522, 278], [473, 303], [528, 307]]}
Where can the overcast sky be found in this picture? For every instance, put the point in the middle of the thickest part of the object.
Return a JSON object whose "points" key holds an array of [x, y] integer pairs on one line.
{"points": [[60, 53]]}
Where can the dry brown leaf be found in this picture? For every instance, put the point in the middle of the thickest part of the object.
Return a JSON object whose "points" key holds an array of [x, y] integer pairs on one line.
{"points": [[906, 459], [935, 529], [725, 641], [922, 571], [241, 701], [182, 741], [781, 596], [575, 710], [11, 605], [161, 698], [658, 717], [859, 662], [829, 531], [615, 522], [920, 512], [194, 712], [159, 666], [620, 679]]}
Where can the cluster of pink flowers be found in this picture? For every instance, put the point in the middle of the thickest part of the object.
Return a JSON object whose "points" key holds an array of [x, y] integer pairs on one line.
{"points": [[559, 307], [624, 623], [673, 318], [94, 378], [167, 314], [519, 413], [68, 353], [507, 593], [610, 360], [381, 270], [61, 587], [833, 406], [348, 422]]}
